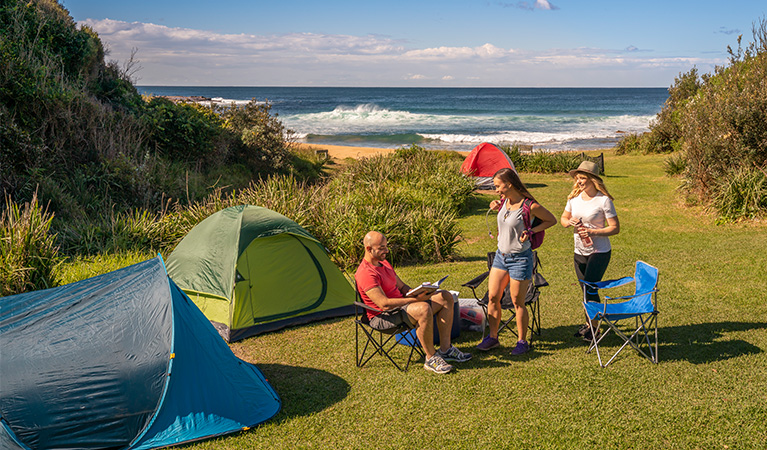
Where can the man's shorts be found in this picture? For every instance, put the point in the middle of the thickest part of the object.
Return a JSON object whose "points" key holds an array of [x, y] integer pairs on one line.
{"points": [[392, 319]]}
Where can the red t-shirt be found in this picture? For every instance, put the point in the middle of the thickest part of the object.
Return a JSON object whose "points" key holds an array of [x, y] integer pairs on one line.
{"points": [[369, 276]]}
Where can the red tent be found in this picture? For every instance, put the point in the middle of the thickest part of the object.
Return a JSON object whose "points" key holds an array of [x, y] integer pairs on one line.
{"points": [[483, 162]]}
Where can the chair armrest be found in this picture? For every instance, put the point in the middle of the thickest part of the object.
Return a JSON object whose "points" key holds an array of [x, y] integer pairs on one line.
{"points": [[627, 297], [608, 284], [476, 281], [367, 307]]}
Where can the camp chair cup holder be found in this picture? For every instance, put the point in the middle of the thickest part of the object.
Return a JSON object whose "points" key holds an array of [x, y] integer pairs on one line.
{"points": [[613, 313]]}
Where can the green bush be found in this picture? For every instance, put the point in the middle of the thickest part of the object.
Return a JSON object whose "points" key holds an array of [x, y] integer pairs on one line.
{"points": [[725, 128], [743, 194], [675, 164], [542, 161], [666, 129], [263, 140], [631, 143], [182, 131], [717, 124], [28, 255]]}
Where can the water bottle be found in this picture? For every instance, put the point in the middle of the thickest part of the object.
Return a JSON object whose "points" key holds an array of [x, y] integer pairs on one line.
{"points": [[587, 242]]}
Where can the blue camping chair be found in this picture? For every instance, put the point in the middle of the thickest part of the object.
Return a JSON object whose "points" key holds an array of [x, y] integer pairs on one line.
{"points": [[641, 306]]}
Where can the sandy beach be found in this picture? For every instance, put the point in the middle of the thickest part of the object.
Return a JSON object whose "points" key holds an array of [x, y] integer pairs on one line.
{"points": [[338, 153]]}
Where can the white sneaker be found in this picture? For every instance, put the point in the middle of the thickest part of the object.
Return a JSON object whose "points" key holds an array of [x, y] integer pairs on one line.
{"points": [[453, 354], [437, 365]]}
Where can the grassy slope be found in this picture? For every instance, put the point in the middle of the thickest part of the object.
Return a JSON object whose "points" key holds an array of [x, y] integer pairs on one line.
{"points": [[707, 392]]}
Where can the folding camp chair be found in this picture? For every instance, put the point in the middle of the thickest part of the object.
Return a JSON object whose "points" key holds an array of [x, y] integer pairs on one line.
{"points": [[641, 306], [531, 299], [371, 341]]}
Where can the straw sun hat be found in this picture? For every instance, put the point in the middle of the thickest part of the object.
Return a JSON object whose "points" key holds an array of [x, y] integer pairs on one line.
{"points": [[587, 167]]}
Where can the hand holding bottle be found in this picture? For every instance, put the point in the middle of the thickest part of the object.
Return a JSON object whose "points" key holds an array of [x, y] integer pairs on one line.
{"points": [[585, 238]]}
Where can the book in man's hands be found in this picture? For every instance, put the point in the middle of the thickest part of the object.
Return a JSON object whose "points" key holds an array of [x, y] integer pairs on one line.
{"points": [[425, 287]]}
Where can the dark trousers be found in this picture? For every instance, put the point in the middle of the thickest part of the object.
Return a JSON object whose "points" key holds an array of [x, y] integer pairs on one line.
{"points": [[591, 268]]}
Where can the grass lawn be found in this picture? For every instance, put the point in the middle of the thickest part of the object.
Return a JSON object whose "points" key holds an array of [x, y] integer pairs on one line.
{"points": [[708, 391]]}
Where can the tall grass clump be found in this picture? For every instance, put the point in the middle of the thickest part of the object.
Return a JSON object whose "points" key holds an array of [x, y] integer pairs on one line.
{"points": [[742, 195], [28, 254], [413, 196], [675, 164], [551, 162], [541, 161]]}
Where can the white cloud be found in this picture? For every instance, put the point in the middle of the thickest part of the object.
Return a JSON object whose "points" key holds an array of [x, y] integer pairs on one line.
{"points": [[544, 4], [539, 4], [181, 56]]}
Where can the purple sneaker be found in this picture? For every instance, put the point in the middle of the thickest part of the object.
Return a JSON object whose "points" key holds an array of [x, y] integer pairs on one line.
{"points": [[488, 343], [521, 348]]}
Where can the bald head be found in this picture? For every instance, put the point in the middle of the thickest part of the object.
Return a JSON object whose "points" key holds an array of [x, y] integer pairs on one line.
{"points": [[375, 247], [373, 238]]}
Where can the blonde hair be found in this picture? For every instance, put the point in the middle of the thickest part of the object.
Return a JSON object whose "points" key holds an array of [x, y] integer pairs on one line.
{"points": [[600, 185]]}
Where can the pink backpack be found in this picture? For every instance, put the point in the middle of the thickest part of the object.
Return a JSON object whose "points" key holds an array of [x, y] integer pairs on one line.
{"points": [[537, 239]]}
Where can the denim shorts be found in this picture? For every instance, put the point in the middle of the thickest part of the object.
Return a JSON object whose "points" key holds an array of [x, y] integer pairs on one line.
{"points": [[518, 265]]}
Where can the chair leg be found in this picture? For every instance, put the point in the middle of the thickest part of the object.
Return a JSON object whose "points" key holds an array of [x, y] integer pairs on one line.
{"points": [[376, 344], [534, 322], [535, 319], [641, 334]]}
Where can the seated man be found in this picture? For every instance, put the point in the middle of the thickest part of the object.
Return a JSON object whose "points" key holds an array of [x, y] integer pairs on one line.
{"points": [[381, 288]]}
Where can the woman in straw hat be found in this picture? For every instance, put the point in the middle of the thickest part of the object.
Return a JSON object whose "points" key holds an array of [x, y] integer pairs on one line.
{"points": [[591, 214]]}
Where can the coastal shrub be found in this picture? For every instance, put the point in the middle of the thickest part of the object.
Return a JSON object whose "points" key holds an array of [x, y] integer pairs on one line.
{"points": [[514, 153], [542, 161], [631, 143], [725, 128], [307, 164], [28, 254], [666, 128], [742, 195], [551, 162], [419, 229], [181, 131], [675, 164], [413, 196], [264, 141]]}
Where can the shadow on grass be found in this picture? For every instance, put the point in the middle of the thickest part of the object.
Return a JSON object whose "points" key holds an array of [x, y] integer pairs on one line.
{"points": [[497, 357], [304, 391], [696, 343], [706, 342]]}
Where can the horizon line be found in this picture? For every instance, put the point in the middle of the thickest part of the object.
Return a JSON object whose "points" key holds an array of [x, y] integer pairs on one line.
{"points": [[405, 87]]}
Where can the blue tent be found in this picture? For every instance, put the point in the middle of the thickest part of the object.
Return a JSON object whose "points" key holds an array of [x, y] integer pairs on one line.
{"points": [[124, 360]]}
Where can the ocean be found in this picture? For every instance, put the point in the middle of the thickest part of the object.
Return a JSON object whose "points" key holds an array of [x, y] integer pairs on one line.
{"points": [[449, 118]]}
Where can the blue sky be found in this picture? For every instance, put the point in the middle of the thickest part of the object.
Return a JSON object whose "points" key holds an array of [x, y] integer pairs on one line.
{"points": [[445, 43]]}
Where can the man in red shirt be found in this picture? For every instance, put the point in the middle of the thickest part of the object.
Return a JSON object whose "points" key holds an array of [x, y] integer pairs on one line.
{"points": [[381, 288]]}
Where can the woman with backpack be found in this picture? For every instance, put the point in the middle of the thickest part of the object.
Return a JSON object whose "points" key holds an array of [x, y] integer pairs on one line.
{"points": [[591, 213], [513, 264]]}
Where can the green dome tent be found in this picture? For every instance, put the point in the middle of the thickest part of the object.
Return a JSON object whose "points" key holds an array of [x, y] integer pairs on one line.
{"points": [[251, 270]]}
